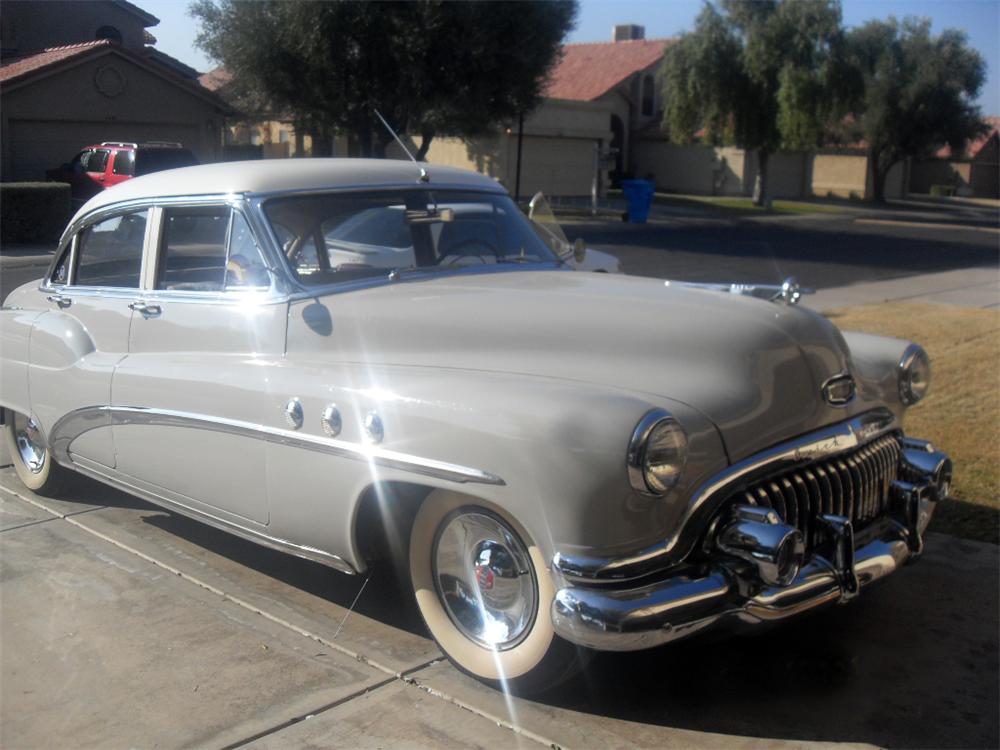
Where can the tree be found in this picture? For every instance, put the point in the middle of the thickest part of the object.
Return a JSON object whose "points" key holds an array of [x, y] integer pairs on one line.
{"points": [[760, 75], [430, 67], [917, 92]]}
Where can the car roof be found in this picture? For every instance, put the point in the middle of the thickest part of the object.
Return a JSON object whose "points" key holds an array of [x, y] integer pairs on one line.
{"points": [[286, 175]]}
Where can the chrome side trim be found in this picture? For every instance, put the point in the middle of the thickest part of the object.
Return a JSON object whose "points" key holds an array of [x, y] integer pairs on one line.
{"points": [[823, 443], [120, 482], [77, 422]]}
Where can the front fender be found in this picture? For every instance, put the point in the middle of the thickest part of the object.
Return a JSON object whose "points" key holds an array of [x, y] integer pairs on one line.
{"points": [[557, 446]]}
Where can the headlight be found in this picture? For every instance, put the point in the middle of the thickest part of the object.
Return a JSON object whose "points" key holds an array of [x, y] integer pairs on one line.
{"points": [[914, 374], [657, 453]]}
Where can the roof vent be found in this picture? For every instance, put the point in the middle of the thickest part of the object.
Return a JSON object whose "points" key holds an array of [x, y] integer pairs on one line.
{"points": [[626, 32]]}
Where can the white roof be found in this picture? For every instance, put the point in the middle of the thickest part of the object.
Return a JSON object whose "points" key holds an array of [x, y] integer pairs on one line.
{"points": [[276, 175]]}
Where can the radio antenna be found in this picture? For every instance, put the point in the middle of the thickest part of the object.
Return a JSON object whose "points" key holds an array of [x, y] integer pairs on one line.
{"points": [[393, 132]]}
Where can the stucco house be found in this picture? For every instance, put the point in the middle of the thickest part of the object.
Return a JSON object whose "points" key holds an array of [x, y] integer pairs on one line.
{"points": [[78, 72], [975, 171]]}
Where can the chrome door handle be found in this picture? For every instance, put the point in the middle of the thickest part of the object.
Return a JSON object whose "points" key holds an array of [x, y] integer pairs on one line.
{"points": [[148, 311], [58, 299]]}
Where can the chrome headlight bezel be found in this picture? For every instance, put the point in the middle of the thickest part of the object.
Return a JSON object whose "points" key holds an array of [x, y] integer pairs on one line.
{"points": [[913, 357], [655, 423]]}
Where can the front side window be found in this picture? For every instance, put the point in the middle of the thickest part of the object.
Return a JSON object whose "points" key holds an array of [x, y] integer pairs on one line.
{"points": [[339, 237], [110, 252], [207, 249], [98, 161], [80, 161]]}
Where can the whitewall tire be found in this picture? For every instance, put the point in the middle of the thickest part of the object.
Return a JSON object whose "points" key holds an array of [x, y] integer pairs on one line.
{"points": [[30, 456], [485, 593]]}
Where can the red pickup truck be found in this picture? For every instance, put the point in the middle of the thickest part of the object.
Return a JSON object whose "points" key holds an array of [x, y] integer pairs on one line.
{"points": [[105, 164]]}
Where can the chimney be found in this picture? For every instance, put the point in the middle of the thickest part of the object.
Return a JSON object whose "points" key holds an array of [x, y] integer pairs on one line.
{"points": [[626, 32]]}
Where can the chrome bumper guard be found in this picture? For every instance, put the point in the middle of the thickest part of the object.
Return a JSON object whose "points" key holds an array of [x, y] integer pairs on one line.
{"points": [[728, 593]]}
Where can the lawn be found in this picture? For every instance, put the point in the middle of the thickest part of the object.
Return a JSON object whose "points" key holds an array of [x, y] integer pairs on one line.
{"points": [[961, 416]]}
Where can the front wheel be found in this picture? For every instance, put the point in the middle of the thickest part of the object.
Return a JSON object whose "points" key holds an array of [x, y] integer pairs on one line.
{"points": [[30, 456], [485, 594]]}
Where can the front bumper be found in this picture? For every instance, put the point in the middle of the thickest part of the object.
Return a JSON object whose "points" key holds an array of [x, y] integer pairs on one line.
{"points": [[723, 592]]}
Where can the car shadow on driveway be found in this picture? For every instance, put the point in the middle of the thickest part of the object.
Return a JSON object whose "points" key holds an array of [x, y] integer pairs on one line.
{"points": [[913, 662]]}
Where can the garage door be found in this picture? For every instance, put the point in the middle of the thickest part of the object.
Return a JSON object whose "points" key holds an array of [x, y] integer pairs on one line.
{"points": [[38, 145], [556, 166]]}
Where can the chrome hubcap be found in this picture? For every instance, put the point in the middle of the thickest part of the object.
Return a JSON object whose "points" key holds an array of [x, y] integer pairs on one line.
{"points": [[484, 577], [29, 443]]}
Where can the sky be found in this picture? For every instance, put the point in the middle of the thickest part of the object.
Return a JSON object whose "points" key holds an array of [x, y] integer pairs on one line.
{"points": [[980, 19]]}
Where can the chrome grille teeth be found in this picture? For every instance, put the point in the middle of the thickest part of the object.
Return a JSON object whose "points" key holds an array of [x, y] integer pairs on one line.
{"points": [[855, 485]]}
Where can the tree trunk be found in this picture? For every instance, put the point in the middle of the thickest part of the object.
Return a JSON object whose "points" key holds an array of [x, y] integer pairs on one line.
{"points": [[879, 172], [426, 136], [365, 142], [322, 143], [760, 182]]}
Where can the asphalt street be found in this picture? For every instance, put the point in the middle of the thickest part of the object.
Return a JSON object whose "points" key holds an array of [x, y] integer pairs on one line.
{"points": [[820, 251]]}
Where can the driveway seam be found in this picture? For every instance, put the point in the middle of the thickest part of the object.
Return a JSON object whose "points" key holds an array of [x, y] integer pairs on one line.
{"points": [[309, 715], [55, 517], [403, 676]]}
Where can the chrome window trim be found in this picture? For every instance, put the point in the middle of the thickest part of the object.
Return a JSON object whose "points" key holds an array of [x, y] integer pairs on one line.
{"points": [[823, 443], [79, 421]]}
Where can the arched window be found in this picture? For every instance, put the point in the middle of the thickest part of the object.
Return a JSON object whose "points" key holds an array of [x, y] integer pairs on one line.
{"points": [[648, 95], [109, 32]]}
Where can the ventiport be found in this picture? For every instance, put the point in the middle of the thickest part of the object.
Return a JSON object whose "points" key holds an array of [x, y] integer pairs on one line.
{"points": [[754, 568]]}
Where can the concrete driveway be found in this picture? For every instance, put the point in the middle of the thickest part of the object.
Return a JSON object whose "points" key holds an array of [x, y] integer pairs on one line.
{"points": [[127, 626]]}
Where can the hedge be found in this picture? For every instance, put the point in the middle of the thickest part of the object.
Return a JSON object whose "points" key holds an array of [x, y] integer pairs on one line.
{"points": [[33, 211], [942, 190]]}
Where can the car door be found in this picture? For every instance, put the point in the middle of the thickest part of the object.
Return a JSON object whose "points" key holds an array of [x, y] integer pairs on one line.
{"points": [[121, 167], [96, 179], [77, 344], [194, 386]]}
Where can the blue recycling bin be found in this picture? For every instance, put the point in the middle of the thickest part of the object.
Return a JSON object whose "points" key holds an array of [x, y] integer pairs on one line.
{"points": [[639, 195]]}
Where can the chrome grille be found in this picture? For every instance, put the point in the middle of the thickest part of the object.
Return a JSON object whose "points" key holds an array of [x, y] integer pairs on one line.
{"points": [[854, 484]]}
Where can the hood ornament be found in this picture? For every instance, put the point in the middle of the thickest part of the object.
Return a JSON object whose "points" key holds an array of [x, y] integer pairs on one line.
{"points": [[788, 292]]}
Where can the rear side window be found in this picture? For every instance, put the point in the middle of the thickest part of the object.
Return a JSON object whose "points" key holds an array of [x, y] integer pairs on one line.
{"points": [[110, 252], [193, 249], [124, 163], [157, 159], [98, 161]]}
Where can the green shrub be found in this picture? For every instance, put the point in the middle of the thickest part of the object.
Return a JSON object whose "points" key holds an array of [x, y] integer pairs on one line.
{"points": [[942, 190], [33, 211]]}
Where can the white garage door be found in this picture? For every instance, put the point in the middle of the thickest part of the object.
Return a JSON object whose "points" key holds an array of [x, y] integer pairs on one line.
{"points": [[38, 145]]}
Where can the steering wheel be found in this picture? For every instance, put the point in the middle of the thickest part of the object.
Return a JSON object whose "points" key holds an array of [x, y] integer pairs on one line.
{"points": [[455, 251]]}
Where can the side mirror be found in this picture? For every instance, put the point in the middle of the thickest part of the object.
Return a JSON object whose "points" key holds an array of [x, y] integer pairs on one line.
{"points": [[579, 250]]}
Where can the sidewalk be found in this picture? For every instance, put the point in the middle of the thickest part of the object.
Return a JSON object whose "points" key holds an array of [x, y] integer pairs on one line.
{"points": [[966, 287], [19, 256]]}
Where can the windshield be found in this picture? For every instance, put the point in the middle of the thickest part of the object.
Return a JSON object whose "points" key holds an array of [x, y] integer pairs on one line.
{"points": [[343, 236]]}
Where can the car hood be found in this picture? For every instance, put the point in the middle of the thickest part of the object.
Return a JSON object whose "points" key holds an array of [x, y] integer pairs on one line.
{"points": [[754, 368]]}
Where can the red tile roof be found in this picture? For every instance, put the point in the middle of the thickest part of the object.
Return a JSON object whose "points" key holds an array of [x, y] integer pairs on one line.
{"points": [[215, 79], [588, 71], [973, 147], [16, 67]]}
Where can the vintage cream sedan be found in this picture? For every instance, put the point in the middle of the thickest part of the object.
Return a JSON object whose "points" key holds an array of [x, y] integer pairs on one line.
{"points": [[561, 461]]}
